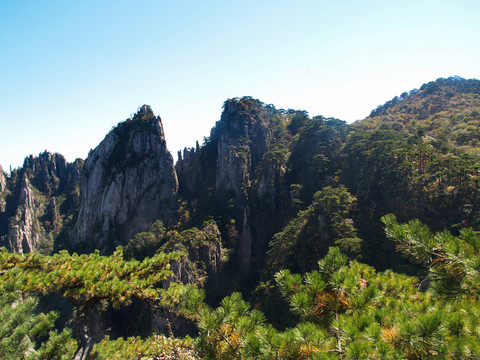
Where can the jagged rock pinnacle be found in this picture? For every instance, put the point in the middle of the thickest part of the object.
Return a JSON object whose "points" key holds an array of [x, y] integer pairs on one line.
{"points": [[128, 182], [145, 109]]}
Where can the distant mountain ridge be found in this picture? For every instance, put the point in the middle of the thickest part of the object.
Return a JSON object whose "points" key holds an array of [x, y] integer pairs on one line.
{"points": [[445, 109], [258, 170], [269, 191]]}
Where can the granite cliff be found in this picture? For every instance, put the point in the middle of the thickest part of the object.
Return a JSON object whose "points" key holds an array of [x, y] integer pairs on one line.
{"points": [[223, 171], [3, 186], [25, 231], [39, 199], [127, 183]]}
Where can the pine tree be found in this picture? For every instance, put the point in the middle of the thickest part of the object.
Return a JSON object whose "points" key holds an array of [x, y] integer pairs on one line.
{"points": [[453, 261], [88, 280], [21, 327], [363, 315]]}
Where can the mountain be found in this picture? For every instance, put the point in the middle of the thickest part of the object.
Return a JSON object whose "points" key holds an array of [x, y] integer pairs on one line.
{"points": [[445, 109], [219, 177], [268, 190], [260, 167], [127, 183], [262, 176], [39, 201]]}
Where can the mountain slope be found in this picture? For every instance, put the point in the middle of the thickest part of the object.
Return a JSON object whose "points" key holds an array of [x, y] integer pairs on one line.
{"points": [[446, 109], [262, 166], [269, 189]]}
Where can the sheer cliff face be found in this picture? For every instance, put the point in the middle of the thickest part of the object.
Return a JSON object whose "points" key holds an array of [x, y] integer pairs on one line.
{"points": [[37, 202], [3, 187], [25, 231], [128, 182], [245, 133], [3, 180], [230, 161], [244, 136]]}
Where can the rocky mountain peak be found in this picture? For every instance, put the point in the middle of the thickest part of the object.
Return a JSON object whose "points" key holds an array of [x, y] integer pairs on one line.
{"points": [[243, 135], [46, 171], [145, 109], [36, 201], [227, 162], [128, 182]]}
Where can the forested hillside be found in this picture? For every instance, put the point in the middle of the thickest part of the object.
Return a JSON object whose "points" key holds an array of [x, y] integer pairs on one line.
{"points": [[447, 110], [281, 236]]}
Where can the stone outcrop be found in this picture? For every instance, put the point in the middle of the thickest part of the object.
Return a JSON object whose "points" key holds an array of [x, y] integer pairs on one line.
{"points": [[128, 182], [3, 180], [3, 188], [232, 154], [196, 169], [51, 174], [245, 133], [243, 139], [25, 231], [47, 171], [201, 266], [38, 200]]}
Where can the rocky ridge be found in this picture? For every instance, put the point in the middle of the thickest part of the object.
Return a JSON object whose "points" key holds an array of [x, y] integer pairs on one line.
{"points": [[255, 178], [39, 200], [256, 164], [226, 166]]}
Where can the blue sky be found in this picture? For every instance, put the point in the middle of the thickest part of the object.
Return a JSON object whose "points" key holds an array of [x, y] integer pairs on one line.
{"points": [[71, 70]]}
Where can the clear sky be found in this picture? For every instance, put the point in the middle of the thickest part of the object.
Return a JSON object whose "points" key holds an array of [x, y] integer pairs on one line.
{"points": [[71, 70]]}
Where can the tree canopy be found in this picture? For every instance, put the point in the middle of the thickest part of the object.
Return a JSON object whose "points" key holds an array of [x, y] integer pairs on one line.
{"points": [[87, 280]]}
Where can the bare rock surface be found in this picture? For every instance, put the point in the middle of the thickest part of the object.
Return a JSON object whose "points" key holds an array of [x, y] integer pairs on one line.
{"points": [[128, 182]]}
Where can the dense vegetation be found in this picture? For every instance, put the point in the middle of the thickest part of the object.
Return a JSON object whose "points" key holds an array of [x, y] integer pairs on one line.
{"points": [[285, 244], [446, 109], [344, 309]]}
